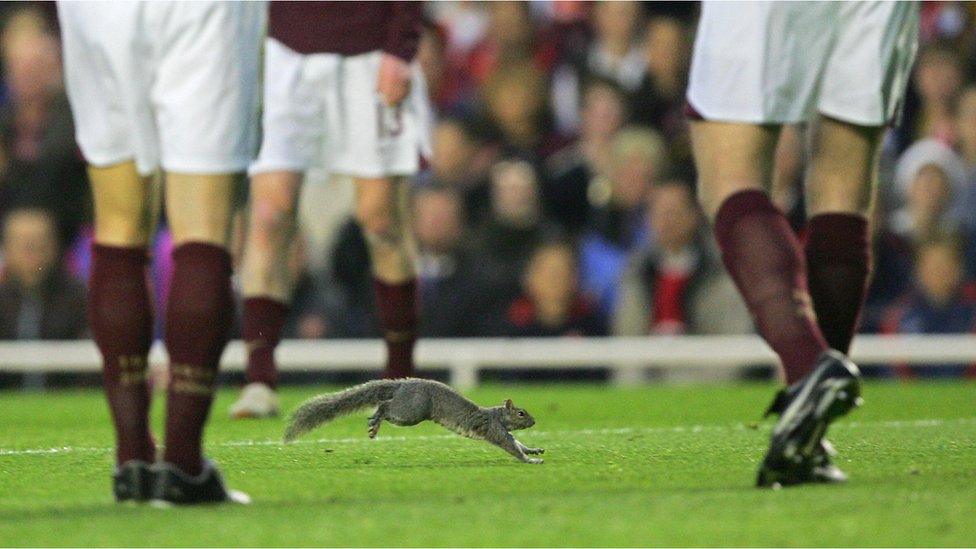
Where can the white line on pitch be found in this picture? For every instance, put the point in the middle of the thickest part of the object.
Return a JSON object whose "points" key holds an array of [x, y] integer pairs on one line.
{"points": [[542, 434]]}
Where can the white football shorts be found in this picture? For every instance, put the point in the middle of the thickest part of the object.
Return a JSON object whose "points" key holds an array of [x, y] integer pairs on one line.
{"points": [[323, 110], [784, 62], [166, 84]]}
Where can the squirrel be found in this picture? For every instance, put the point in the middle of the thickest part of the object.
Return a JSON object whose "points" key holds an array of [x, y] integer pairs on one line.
{"points": [[409, 401]]}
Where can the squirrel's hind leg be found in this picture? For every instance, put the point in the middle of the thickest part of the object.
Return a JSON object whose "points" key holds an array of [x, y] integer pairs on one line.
{"points": [[377, 418], [408, 409]]}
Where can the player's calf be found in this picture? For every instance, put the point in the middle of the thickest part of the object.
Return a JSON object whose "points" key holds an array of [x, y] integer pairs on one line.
{"points": [[379, 211], [200, 310]]}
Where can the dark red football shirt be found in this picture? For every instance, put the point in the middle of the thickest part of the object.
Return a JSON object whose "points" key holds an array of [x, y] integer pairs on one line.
{"points": [[347, 28]]}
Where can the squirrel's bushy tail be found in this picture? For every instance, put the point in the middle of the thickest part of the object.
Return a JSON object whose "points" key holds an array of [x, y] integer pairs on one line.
{"points": [[325, 408]]}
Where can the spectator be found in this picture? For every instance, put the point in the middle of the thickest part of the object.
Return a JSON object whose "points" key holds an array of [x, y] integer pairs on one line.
{"points": [[552, 304], [307, 318], [38, 300], [666, 59], [574, 167], [940, 301], [461, 161], [950, 23], [39, 161], [929, 177], [616, 221], [348, 287], [614, 54], [452, 300], [892, 265], [465, 25], [660, 100], [677, 285], [965, 129], [516, 106], [512, 37], [514, 228], [938, 79]]}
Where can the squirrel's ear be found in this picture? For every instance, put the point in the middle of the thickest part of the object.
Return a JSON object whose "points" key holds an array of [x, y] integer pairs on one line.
{"points": [[508, 403]]}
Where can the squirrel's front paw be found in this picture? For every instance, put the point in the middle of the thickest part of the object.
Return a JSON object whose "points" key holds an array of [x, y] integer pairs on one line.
{"points": [[535, 450], [532, 460]]}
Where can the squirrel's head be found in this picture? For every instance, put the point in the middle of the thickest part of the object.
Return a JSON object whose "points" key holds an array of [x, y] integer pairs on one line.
{"points": [[515, 418]]}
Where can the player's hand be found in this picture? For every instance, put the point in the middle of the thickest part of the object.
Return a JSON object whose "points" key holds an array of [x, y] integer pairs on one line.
{"points": [[393, 83]]}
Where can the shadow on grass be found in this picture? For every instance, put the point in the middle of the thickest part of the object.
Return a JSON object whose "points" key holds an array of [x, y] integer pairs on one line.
{"points": [[126, 511]]}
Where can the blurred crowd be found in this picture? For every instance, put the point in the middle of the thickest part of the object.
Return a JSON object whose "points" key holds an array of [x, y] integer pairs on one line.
{"points": [[559, 198]]}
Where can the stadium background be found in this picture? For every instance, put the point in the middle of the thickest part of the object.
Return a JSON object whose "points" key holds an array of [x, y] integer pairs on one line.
{"points": [[558, 200]]}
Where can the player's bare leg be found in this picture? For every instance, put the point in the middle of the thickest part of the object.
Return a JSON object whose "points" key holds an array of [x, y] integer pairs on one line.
{"points": [[267, 285], [383, 214], [200, 308], [124, 202], [765, 260], [759, 249], [177, 122], [731, 158], [271, 230], [121, 316], [840, 192]]}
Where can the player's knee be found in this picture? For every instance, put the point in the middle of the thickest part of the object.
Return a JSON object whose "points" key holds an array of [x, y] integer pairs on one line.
{"points": [[378, 221], [271, 222]]}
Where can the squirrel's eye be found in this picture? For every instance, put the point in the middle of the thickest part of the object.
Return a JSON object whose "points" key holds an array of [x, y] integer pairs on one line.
{"points": [[521, 413]]}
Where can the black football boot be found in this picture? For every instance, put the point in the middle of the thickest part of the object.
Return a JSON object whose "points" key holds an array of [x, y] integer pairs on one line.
{"points": [[797, 452], [823, 468], [174, 487], [133, 481]]}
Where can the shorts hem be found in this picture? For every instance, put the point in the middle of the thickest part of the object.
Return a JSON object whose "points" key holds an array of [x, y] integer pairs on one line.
{"points": [[375, 174], [847, 118], [706, 115], [103, 161], [207, 168], [259, 168]]}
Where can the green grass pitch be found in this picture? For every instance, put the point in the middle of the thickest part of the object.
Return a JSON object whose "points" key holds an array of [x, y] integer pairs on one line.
{"points": [[658, 465]]}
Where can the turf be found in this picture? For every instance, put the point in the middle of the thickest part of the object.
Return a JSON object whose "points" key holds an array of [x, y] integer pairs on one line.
{"points": [[649, 466]]}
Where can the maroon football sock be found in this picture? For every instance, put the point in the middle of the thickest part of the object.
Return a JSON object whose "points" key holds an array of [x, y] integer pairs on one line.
{"points": [[121, 318], [838, 254], [765, 260], [264, 318], [198, 316], [397, 308]]}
